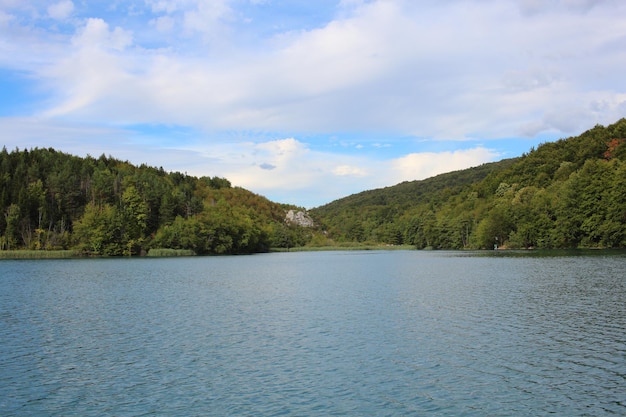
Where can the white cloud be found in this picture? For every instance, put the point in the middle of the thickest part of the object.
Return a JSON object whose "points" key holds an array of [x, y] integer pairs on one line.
{"points": [[292, 162], [528, 79], [454, 70], [5, 18], [443, 70], [163, 24], [206, 18], [96, 34], [31, 132], [285, 168], [163, 6], [533, 7], [347, 170], [61, 10], [418, 166], [87, 139], [92, 74]]}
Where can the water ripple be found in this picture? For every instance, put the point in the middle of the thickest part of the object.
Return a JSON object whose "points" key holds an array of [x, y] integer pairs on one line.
{"points": [[366, 333]]}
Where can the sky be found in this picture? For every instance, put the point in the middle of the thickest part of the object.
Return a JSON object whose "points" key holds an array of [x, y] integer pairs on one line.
{"points": [[302, 101]]}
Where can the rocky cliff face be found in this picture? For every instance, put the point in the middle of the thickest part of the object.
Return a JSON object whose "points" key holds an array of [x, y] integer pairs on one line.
{"points": [[300, 218]]}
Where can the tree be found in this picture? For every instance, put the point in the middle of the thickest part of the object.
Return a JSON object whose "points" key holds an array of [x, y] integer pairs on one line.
{"points": [[95, 231], [12, 220], [134, 219]]}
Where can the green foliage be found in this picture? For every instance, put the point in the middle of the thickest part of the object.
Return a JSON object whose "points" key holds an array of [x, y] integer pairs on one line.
{"points": [[161, 252], [12, 220], [564, 194], [106, 207], [100, 231]]}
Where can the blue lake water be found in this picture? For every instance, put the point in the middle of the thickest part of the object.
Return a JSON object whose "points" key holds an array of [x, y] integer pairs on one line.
{"points": [[371, 333]]}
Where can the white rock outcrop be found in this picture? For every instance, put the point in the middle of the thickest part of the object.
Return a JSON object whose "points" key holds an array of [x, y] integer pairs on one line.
{"points": [[300, 218]]}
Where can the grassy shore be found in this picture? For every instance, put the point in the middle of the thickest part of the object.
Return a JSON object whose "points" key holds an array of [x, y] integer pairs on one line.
{"points": [[345, 247], [38, 254], [163, 252]]}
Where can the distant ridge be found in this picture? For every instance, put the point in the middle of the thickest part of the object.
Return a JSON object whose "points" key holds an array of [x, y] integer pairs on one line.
{"points": [[407, 192], [564, 194]]}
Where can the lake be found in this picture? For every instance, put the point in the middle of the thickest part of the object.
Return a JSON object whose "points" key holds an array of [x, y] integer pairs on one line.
{"points": [[364, 333]]}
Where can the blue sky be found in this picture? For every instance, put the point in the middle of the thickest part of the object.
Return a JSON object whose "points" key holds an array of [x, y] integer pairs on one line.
{"points": [[308, 101]]}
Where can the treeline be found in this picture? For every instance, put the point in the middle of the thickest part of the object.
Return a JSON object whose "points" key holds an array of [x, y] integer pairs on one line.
{"points": [[51, 201], [565, 194]]}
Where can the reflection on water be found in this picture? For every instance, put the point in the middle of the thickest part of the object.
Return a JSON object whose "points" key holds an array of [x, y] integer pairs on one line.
{"points": [[331, 333]]}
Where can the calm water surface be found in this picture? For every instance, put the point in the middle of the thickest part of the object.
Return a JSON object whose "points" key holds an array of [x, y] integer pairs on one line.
{"points": [[315, 334]]}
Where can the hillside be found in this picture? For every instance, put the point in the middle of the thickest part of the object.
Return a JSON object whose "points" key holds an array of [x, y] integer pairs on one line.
{"points": [[564, 194], [104, 206], [406, 194]]}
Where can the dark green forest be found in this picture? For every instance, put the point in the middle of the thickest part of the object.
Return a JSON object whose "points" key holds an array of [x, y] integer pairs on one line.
{"points": [[104, 206], [565, 194]]}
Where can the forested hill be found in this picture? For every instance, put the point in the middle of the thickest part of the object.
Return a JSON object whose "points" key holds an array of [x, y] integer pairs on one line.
{"points": [[406, 194], [564, 194], [104, 206]]}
